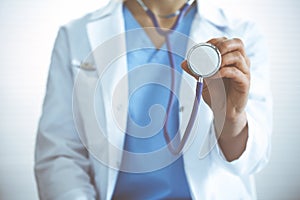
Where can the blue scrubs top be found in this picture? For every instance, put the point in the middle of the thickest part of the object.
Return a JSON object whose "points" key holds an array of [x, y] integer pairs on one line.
{"points": [[169, 182]]}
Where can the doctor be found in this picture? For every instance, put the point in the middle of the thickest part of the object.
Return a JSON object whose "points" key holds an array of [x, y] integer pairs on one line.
{"points": [[75, 159]]}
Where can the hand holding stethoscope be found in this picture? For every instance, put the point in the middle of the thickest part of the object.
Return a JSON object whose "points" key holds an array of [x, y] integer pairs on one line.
{"points": [[234, 72], [217, 60]]}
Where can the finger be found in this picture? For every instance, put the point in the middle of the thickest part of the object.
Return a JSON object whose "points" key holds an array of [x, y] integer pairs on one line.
{"points": [[228, 45], [185, 67], [216, 41], [236, 59], [231, 45], [237, 76]]}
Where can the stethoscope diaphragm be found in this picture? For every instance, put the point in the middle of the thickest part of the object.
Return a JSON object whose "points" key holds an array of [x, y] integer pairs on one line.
{"points": [[204, 60]]}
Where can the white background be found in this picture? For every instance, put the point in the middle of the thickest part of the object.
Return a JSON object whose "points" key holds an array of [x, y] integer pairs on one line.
{"points": [[28, 30]]}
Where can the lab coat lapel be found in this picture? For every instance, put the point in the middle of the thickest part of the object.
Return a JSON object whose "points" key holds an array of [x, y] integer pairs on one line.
{"points": [[187, 94], [201, 140], [201, 31], [106, 35]]}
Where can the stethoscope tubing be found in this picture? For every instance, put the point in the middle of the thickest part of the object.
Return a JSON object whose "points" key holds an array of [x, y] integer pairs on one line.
{"points": [[199, 87]]}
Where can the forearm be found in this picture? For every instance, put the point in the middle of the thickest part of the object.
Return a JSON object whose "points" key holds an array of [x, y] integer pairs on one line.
{"points": [[232, 136]]}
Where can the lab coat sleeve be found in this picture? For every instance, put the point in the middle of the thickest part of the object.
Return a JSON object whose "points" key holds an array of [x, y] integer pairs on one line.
{"points": [[62, 166], [258, 109]]}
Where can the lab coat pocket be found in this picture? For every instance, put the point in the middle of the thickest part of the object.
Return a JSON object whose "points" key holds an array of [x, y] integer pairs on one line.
{"points": [[88, 107]]}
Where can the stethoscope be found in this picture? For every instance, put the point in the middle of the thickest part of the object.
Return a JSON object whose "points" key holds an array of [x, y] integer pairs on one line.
{"points": [[203, 61]]}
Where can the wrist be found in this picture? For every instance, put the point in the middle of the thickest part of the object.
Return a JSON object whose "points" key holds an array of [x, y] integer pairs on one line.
{"points": [[233, 136], [228, 128]]}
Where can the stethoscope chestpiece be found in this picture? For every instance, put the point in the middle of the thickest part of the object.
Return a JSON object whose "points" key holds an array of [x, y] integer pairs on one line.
{"points": [[204, 60]]}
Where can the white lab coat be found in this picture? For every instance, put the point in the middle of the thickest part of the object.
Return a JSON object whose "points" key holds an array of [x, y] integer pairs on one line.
{"points": [[65, 169]]}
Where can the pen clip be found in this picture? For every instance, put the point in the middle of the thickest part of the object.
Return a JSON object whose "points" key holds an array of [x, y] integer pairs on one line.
{"points": [[87, 66], [84, 65]]}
